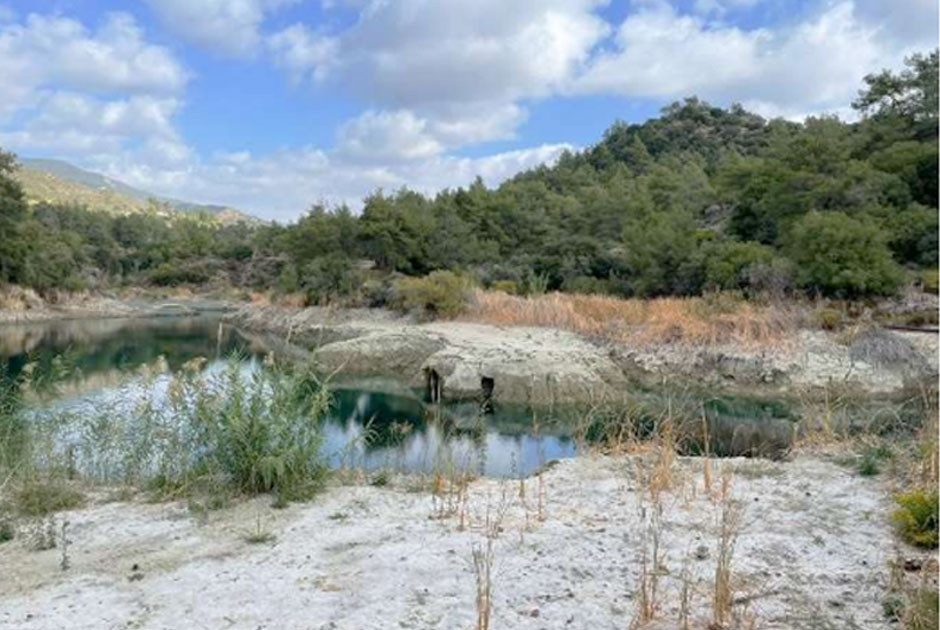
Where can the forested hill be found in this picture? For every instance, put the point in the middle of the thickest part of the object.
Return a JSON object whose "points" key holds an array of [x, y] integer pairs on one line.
{"points": [[700, 198], [59, 182]]}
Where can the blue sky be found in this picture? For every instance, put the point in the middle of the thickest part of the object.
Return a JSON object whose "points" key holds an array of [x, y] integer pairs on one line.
{"points": [[271, 105]]}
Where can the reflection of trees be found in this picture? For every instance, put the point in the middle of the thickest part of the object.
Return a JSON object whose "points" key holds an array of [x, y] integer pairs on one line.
{"points": [[390, 418], [92, 346]]}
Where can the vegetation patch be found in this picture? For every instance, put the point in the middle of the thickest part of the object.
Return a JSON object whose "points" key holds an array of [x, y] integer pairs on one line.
{"points": [[872, 458], [41, 497], [441, 294], [917, 517], [711, 319]]}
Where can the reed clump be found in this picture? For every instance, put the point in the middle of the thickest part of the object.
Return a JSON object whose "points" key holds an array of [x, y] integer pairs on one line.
{"points": [[206, 432]]}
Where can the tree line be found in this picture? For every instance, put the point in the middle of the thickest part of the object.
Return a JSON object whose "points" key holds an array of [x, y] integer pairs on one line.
{"points": [[701, 198]]}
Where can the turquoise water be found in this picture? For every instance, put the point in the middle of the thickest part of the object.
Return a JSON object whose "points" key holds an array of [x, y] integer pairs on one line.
{"points": [[99, 364]]}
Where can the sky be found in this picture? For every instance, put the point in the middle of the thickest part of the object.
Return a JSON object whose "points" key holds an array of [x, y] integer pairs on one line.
{"points": [[271, 106]]}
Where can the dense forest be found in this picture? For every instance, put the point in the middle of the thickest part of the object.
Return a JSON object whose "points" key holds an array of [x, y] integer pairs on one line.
{"points": [[701, 198]]}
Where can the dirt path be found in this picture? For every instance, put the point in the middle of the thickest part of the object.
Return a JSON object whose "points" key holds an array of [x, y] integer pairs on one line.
{"points": [[812, 552]]}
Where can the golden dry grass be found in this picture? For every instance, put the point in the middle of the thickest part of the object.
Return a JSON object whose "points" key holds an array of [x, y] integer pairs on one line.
{"points": [[695, 321]]}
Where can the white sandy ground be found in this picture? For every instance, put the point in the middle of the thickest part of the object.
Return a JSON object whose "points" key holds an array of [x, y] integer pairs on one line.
{"points": [[813, 552]]}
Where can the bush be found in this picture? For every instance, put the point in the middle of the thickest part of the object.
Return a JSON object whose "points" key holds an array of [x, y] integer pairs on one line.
{"points": [[39, 497], [871, 458], [330, 279], [7, 531], [830, 318], [917, 517], [728, 263], [439, 294], [586, 285], [930, 280], [172, 274], [839, 256], [506, 286]]}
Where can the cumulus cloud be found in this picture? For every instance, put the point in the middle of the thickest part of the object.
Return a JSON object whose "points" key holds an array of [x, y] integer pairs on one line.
{"points": [[304, 53], [227, 27], [462, 66], [283, 184], [816, 65], [911, 23], [59, 52], [421, 51], [379, 136], [70, 123]]}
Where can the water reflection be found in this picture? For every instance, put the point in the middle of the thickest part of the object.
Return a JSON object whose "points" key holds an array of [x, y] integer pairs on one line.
{"points": [[120, 364], [373, 430]]}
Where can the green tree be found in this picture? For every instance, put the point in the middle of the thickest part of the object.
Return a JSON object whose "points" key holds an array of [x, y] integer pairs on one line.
{"points": [[839, 256], [12, 211]]}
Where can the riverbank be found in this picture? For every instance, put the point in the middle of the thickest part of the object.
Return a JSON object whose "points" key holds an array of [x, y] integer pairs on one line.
{"points": [[543, 365], [813, 546], [19, 305]]}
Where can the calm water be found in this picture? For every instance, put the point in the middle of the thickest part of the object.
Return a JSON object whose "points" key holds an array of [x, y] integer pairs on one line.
{"points": [[97, 363]]}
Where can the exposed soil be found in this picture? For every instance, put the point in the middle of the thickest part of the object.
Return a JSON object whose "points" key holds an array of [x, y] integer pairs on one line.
{"points": [[812, 552]]}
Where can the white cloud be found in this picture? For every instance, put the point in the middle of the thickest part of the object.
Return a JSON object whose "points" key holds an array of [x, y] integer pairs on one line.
{"points": [[302, 52], [458, 124], [911, 23], [461, 66], [813, 66], [720, 7], [284, 184], [404, 135], [71, 123], [227, 27], [660, 53], [421, 51], [60, 52], [379, 136]]}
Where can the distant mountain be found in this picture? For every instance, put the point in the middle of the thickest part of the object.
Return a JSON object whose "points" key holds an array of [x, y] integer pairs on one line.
{"points": [[57, 181]]}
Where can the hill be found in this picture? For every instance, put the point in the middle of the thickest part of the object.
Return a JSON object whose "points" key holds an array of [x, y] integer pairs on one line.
{"points": [[57, 181]]}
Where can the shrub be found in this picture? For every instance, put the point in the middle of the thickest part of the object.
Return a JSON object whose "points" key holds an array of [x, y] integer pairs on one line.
{"points": [[586, 285], [728, 263], [869, 462], [39, 497], [830, 318], [329, 279], [930, 279], [171, 274], [839, 256], [439, 294], [7, 530], [916, 518], [506, 286]]}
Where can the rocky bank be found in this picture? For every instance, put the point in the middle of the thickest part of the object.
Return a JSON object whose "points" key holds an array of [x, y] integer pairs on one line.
{"points": [[543, 365]]}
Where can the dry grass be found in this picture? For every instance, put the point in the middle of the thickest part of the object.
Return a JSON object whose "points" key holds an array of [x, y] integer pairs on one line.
{"points": [[729, 525], [701, 320]]}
